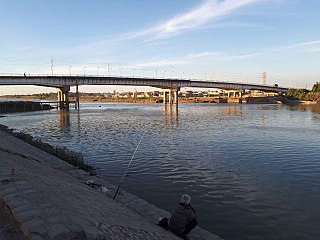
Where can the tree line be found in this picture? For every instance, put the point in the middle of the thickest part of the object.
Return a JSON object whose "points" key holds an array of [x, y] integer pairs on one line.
{"points": [[304, 94]]}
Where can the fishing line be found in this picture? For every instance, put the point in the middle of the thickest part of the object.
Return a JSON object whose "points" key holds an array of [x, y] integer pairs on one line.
{"points": [[127, 168]]}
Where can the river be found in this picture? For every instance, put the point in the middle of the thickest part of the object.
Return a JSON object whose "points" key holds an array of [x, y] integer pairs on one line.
{"points": [[253, 171]]}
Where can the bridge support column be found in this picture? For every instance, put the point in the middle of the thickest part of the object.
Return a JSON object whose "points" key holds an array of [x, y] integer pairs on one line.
{"points": [[176, 96], [63, 97], [164, 97], [59, 93], [171, 96], [77, 103], [167, 96], [235, 93]]}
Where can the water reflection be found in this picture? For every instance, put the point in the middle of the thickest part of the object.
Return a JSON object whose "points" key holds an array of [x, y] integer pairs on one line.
{"points": [[315, 108], [233, 110], [171, 113], [262, 120], [64, 120], [253, 170]]}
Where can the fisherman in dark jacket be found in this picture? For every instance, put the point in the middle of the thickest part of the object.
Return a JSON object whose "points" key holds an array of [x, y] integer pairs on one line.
{"points": [[183, 218]]}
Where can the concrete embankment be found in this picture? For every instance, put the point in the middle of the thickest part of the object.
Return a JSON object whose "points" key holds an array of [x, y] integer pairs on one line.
{"points": [[49, 200]]}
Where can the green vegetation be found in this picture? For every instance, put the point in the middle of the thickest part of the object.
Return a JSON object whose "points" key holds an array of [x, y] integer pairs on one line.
{"points": [[297, 93], [316, 87], [69, 156], [305, 95]]}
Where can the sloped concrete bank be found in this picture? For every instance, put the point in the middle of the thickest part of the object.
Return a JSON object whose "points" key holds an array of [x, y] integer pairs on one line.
{"points": [[50, 200]]}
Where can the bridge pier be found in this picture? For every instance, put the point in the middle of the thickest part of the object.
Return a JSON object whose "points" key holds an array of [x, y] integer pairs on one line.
{"points": [[235, 93], [77, 103], [176, 96], [171, 96], [63, 97]]}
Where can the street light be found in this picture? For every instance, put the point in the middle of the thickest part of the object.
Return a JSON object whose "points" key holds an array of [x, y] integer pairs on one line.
{"points": [[120, 69], [163, 73], [70, 70], [181, 75], [133, 72], [52, 66], [98, 71], [84, 71]]}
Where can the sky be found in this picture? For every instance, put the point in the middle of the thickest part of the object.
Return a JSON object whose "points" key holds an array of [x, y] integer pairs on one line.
{"points": [[221, 40]]}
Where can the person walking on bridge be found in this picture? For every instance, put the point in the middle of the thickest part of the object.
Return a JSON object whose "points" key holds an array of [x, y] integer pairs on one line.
{"points": [[183, 219]]}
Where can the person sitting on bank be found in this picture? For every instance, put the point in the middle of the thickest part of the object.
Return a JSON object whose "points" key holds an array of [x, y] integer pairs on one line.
{"points": [[183, 218]]}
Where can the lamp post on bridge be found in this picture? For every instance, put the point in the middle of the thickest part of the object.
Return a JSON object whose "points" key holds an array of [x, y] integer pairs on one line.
{"points": [[211, 76], [163, 73], [84, 71], [52, 66], [120, 69], [98, 71], [181, 75], [70, 70]]}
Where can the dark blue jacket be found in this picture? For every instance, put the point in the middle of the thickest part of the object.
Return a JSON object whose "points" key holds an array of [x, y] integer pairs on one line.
{"points": [[180, 217]]}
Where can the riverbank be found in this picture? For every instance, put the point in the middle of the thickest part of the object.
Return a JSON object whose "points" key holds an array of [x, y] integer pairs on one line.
{"points": [[23, 106], [74, 158], [154, 100], [50, 200], [9, 227]]}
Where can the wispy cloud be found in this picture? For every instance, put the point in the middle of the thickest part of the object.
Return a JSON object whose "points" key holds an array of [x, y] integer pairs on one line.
{"points": [[307, 46], [159, 63], [204, 55], [310, 43], [202, 16], [219, 56], [191, 58], [300, 47], [207, 12]]}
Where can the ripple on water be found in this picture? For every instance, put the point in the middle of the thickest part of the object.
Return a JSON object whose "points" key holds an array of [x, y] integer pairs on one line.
{"points": [[253, 171]]}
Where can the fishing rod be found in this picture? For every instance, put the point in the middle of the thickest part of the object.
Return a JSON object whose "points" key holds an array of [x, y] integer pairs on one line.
{"points": [[127, 168]]}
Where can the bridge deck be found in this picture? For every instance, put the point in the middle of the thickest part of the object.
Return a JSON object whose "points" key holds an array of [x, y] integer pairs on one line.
{"points": [[165, 83]]}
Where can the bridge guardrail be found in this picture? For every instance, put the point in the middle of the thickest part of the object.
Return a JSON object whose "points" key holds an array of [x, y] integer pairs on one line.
{"points": [[136, 77]]}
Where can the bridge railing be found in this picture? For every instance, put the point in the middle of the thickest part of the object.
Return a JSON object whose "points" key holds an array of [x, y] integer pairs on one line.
{"points": [[135, 77]]}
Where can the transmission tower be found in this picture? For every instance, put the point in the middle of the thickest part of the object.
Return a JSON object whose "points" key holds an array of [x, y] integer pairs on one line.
{"points": [[264, 77]]}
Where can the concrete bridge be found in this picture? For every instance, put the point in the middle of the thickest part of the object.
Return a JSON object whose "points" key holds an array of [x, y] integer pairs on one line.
{"points": [[171, 87]]}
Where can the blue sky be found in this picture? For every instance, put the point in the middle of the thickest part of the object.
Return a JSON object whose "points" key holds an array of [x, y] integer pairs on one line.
{"points": [[230, 40]]}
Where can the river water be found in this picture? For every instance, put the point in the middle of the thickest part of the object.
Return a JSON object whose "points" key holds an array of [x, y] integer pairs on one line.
{"points": [[253, 171]]}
